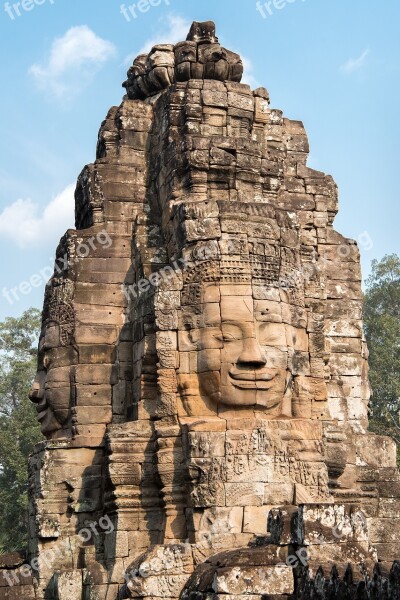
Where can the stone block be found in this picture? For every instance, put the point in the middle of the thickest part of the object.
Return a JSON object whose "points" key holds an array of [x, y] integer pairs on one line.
{"points": [[215, 521], [116, 544], [331, 524], [375, 451], [97, 334], [278, 493], [94, 374], [255, 519], [254, 580], [243, 494], [384, 530], [69, 585]]}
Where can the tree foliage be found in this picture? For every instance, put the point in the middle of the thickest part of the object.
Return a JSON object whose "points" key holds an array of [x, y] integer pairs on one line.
{"points": [[19, 429], [382, 328]]}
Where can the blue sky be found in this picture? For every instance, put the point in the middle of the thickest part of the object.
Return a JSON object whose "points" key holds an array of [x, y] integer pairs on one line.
{"points": [[332, 64]]}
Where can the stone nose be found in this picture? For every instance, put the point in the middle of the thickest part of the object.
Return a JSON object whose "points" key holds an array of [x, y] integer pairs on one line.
{"points": [[252, 354], [35, 394]]}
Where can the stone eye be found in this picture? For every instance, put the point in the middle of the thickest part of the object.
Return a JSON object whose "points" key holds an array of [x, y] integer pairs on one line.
{"points": [[46, 361], [228, 337]]}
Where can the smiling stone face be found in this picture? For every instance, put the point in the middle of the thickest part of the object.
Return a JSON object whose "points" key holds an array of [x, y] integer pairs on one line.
{"points": [[52, 388], [242, 338], [249, 364], [243, 352]]}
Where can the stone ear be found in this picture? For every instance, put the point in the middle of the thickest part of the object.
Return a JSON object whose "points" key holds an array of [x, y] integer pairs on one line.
{"points": [[290, 359], [287, 397], [194, 336]]}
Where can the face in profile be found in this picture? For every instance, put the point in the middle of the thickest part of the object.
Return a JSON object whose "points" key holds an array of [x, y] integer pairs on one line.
{"points": [[245, 351], [51, 389]]}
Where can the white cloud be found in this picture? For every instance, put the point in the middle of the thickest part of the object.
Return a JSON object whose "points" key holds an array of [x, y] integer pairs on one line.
{"points": [[248, 76], [175, 31], [354, 64], [73, 60], [22, 224]]}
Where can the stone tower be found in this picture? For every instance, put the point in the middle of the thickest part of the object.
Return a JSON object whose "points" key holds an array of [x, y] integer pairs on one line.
{"points": [[202, 373]]}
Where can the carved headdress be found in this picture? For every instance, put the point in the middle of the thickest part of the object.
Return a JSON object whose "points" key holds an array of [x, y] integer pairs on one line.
{"points": [[58, 308]]}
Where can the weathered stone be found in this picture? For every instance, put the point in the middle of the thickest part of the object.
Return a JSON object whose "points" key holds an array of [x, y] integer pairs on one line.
{"points": [[330, 524], [202, 378], [69, 585]]}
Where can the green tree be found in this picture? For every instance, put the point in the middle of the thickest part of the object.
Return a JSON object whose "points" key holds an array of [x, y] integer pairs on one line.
{"points": [[382, 328], [19, 429]]}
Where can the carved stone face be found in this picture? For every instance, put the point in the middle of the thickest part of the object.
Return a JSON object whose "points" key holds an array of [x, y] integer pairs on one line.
{"points": [[244, 357], [51, 389]]}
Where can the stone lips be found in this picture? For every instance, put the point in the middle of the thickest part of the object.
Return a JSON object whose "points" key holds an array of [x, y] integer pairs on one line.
{"points": [[224, 405]]}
